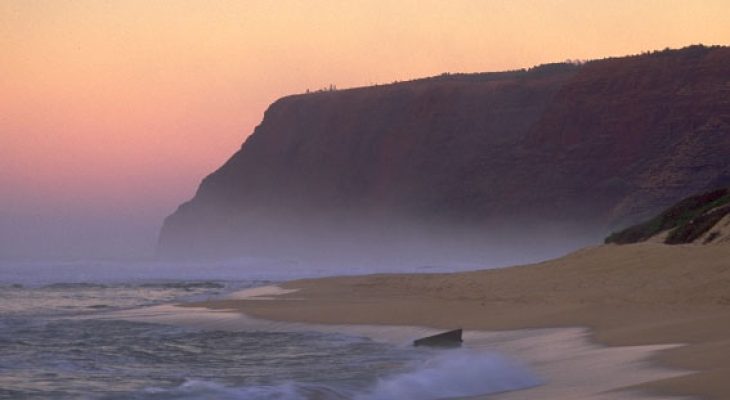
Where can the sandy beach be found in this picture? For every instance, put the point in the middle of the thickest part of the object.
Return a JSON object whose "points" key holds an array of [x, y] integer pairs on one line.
{"points": [[634, 295]]}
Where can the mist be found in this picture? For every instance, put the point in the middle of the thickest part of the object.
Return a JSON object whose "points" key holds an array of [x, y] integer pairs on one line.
{"points": [[301, 241], [296, 239], [70, 236], [370, 242]]}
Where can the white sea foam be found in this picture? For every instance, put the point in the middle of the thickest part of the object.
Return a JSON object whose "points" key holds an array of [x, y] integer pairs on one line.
{"points": [[454, 373], [449, 374], [199, 389], [260, 293]]}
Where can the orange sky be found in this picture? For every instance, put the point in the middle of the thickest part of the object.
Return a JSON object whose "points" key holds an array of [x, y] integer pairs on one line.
{"points": [[121, 107]]}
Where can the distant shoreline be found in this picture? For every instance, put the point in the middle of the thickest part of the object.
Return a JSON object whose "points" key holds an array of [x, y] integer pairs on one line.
{"points": [[632, 295]]}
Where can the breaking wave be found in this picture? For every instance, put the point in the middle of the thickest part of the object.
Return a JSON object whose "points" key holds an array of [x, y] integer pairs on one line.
{"points": [[449, 374], [457, 373]]}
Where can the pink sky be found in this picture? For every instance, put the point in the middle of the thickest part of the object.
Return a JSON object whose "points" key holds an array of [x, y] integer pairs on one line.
{"points": [[112, 111]]}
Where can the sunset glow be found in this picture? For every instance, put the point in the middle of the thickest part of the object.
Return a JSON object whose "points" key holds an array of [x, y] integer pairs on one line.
{"points": [[121, 107]]}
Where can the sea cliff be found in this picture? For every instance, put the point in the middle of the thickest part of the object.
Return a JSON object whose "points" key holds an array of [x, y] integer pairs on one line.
{"points": [[577, 147]]}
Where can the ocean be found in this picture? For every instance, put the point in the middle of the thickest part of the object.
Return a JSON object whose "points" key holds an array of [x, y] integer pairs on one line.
{"points": [[57, 342]]}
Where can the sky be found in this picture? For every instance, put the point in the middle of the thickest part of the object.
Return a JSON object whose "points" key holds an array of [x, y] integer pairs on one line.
{"points": [[111, 112]]}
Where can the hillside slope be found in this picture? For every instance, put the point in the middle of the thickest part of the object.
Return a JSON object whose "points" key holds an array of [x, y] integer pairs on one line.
{"points": [[587, 146], [703, 218]]}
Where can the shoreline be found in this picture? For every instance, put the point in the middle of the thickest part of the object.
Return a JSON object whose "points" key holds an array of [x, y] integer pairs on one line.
{"points": [[633, 295], [565, 361]]}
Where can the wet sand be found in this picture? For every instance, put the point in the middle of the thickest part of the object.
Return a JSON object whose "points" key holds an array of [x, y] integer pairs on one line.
{"points": [[634, 295]]}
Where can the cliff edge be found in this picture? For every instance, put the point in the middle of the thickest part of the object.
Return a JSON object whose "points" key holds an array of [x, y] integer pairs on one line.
{"points": [[566, 147]]}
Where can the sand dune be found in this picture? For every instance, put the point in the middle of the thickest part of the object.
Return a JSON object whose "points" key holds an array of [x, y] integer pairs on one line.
{"points": [[627, 295]]}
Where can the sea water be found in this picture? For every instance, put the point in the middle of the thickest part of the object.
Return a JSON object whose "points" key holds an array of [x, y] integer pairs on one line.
{"points": [[52, 346]]}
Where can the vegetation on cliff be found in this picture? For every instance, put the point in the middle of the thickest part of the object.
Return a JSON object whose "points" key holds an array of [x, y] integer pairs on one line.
{"points": [[686, 221]]}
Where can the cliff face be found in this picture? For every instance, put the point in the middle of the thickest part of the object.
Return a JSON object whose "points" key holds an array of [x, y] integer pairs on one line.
{"points": [[595, 145]]}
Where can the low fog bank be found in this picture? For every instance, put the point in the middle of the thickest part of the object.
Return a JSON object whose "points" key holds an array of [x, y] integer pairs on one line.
{"points": [[74, 249], [76, 236], [278, 248], [374, 244]]}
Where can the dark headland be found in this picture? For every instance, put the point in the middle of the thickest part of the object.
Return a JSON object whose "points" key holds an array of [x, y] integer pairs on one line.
{"points": [[580, 149]]}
